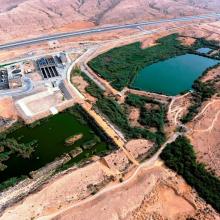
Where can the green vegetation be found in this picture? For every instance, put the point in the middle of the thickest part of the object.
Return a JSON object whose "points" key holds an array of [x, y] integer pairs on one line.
{"points": [[202, 42], [92, 88], [21, 149], [84, 118], [11, 182], [202, 92], [117, 114], [139, 101], [180, 157], [7, 64], [18, 144], [11, 146], [120, 65], [149, 117]]}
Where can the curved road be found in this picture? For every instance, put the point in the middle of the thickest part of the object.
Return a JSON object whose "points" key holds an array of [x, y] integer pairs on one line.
{"points": [[103, 29], [27, 88]]}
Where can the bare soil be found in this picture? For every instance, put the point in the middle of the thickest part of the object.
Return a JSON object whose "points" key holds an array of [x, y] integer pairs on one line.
{"points": [[139, 147], [134, 114], [187, 41], [7, 108], [42, 104], [81, 85], [60, 193], [52, 16], [205, 136], [155, 193], [212, 74]]}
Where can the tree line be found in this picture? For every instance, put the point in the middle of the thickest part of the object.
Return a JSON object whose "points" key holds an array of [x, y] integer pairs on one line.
{"points": [[180, 157]]}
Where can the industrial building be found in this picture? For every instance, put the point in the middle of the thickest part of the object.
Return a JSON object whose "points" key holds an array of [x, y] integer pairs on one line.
{"points": [[47, 66], [63, 58], [4, 79]]}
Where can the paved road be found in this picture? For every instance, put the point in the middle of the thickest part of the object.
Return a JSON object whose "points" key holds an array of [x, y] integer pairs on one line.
{"points": [[27, 88], [104, 29]]}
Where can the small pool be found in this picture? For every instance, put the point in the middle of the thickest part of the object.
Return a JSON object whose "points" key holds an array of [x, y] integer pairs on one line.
{"points": [[172, 76], [204, 50]]}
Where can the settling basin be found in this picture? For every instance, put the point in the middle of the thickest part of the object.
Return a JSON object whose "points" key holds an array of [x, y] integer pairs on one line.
{"points": [[51, 134], [172, 76]]}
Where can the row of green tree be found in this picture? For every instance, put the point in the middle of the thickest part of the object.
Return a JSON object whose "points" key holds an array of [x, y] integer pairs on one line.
{"points": [[180, 157]]}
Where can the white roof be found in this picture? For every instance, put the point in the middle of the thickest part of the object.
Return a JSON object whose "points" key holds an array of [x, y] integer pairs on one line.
{"points": [[53, 110]]}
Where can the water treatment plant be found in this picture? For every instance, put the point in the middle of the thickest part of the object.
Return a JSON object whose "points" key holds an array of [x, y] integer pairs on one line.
{"points": [[80, 123]]}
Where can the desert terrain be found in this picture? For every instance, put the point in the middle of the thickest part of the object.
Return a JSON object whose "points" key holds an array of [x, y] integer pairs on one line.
{"points": [[106, 188], [7, 108], [22, 19], [205, 135], [154, 193]]}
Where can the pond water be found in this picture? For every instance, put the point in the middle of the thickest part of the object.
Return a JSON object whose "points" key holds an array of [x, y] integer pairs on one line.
{"points": [[204, 50], [172, 76], [51, 135]]}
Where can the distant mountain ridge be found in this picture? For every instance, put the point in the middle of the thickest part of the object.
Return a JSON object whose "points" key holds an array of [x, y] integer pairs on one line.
{"points": [[26, 18]]}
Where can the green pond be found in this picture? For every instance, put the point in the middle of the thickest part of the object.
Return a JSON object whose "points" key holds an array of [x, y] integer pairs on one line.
{"points": [[172, 76], [51, 135]]}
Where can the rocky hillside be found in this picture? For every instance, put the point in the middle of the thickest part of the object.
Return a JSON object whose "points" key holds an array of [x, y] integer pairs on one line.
{"points": [[28, 18]]}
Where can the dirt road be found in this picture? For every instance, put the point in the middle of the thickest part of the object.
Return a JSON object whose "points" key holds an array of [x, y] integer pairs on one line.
{"points": [[147, 164]]}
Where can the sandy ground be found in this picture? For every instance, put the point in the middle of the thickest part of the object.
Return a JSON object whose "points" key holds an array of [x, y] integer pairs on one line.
{"points": [[35, 76], [7, 108], [63, 44], [211, 74], [139, 147], [59, 194], [45, 103], [210, 31], [155, 193], [22, 19], [187, 41], [134, 114], [117, 161], [205, 136], [196, 30], [178, 107], [81, 85]]}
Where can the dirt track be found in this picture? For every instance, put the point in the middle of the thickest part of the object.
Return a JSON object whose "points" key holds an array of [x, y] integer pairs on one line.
{"points": [[205, 135], [150, 194]]}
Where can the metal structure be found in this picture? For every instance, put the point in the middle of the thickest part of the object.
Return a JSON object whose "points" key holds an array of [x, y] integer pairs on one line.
{"points": [[47, 66]]}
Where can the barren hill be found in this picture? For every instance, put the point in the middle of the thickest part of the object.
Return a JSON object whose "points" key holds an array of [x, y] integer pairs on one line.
{"points": [[26, 18]]}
